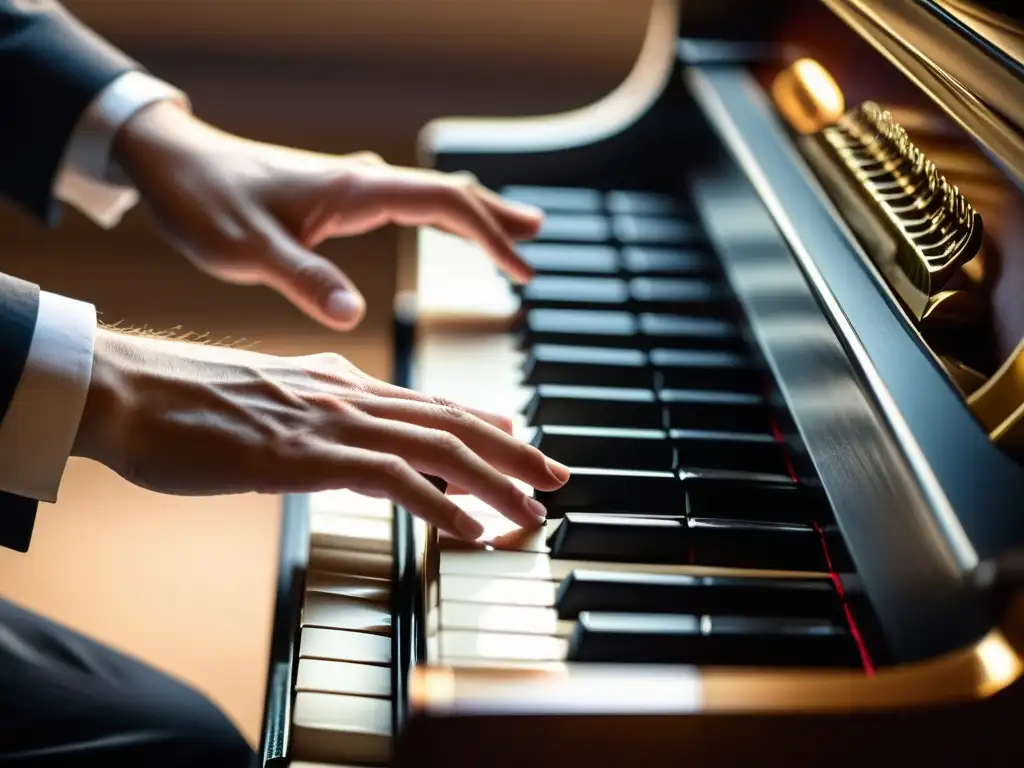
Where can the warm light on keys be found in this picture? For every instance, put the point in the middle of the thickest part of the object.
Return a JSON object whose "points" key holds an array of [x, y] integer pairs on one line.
{"points": [[807, 96]]}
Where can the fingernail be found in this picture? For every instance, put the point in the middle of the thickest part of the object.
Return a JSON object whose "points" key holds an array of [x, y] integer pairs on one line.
{"points": [[536, 509], [468, 528], [344, 305], [558, 470], [526, 208]]}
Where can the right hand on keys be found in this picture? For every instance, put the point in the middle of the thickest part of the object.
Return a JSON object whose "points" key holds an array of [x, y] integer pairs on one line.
{"points": [[191, 419]]}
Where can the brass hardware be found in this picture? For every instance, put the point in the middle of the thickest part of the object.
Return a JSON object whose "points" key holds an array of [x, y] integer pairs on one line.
{"points": [[999, 404], [934, 230], [807, 96], [967, 380]]}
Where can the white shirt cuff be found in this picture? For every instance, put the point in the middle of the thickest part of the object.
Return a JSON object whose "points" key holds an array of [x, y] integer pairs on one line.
{"points": [[39, 429], [85, 177]]}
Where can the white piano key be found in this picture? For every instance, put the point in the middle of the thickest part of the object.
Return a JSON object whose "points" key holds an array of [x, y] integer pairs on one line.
{"points": [[322, 676], [350, 504], [333, 612], [371, 565], [520, 619], [439, 297], [480, 662], [362, 534], [334, 728], [501, 646], [532, 565], [374, 590], [344, 645], [502, 533], [472, 589]]}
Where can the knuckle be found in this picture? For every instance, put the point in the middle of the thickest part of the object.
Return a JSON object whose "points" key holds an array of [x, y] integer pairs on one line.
{"points": [[446, 442], [453, 413], [370, 158], [390, 469], [455, 194]]}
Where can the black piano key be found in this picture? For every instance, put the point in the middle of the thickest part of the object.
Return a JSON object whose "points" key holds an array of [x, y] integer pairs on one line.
{"points": [[685, 296], [650, 230], [624, 592], [707, 641], [628, 491], [575, 228], [782, 501], [756, 544], [571, 405], [707, 370], [643, 203], [578, 327], [556, 199], [611, 537], [557, 258], [682, 332], [716, 411], [611, 366], [652, 260], [598, 448], [729, 451], [559, 291]]}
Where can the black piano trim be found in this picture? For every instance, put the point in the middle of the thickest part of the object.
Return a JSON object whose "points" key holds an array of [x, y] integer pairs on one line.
{"points": [[900, 491], [284, 641], [406, 597]]}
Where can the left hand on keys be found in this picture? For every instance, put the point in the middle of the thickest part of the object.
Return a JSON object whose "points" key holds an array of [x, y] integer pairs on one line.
{"points": [[251, 213]]}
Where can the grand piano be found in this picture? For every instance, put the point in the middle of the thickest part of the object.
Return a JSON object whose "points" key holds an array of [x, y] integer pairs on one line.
{"points": [[776, 333]]}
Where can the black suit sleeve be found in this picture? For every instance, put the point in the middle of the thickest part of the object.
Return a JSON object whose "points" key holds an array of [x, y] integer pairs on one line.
{"points": [[51, 68], [19, 308]]}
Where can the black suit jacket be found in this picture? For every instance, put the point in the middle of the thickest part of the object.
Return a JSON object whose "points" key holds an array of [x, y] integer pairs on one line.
{"points": [[51, 69]]}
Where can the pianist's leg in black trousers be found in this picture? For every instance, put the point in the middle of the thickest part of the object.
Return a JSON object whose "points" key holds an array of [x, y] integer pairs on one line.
{"points": [[67, 701]]}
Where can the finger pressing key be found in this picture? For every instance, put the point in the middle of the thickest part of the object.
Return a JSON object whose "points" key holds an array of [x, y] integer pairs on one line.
{"points": [[379, 474], [442, 454], [496, 447]]}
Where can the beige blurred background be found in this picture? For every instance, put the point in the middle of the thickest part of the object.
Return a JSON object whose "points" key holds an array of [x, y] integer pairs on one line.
{"points": [[185, 584]]}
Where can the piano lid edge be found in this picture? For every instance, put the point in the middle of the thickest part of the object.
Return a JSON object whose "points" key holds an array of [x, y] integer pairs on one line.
{"points": [[589, 124], [798, 272]]}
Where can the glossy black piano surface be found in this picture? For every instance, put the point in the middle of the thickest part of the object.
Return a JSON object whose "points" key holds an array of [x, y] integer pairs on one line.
{"points": [[785, 530]]}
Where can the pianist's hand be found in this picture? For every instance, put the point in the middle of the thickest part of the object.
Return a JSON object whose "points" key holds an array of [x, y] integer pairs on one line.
{"points": [[251, 213], [190, 419]]}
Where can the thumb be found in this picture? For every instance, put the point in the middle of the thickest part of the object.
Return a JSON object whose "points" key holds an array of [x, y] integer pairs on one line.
{"points": [[313, 284]]}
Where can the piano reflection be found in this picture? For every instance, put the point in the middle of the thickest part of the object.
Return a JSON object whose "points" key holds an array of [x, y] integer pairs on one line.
{"points": [[776, 332]]}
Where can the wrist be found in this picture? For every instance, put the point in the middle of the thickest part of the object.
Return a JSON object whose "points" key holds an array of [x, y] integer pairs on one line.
{"points": [[163, 128], [107, 403]]}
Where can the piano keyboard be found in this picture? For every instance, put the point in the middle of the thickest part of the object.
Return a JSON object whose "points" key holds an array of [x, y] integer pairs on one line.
{"points": [[682, 537], [342, 709]]}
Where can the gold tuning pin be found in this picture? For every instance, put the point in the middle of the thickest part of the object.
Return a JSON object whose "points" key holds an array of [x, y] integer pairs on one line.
{"points": [[932, 230], [807, 96]]}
